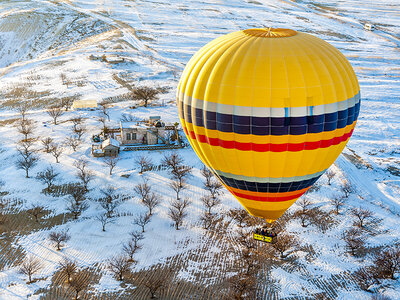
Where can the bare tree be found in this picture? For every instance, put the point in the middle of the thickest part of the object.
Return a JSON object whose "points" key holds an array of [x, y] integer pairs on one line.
{"points": [[26, 127], [178, 211], [208, 219], [137, 236], [110, 200], [47, 143], [104, 109], [144, 163], [142, 220], [365, 277], [68, 268], [68, 101], [362, 216], [77, 208], [130, 249], [48, 176], [209, 202], [83, 173], [36, 211], [347, 188], [242, 286], [111, 162], [56, 150], [104, 220], [80, 281], [330, 174], [59, 237], [388, 262], [77, 121], [239, 215], [304, 212], [119, 266], [72, 142], [337, 202], [156, 282], [151, 202], [55, 112], [103, 121], [208, 176], [27, 162], [177, 187], [179, 171], [142, 190], [77, 193], [29, 267], [284, 242], [22, 110], [145, 94], [79, 131], [353, 240]]}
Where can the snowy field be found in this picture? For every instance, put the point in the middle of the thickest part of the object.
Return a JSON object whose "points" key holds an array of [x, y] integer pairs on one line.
{"points": [[51, 49]]}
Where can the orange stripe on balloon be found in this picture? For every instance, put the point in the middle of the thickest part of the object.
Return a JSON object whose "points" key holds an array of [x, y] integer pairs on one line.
{"points": [[268, 147], [263, 194], [267, 198]]}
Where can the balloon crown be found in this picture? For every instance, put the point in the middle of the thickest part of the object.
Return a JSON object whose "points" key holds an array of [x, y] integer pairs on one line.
{"points": [[270, 32]]}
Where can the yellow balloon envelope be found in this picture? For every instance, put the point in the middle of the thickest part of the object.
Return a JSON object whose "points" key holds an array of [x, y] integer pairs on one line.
{"points": [[268, 111]]}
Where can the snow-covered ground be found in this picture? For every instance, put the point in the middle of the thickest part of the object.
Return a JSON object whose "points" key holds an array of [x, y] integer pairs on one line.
{"points": [[42, 41]]}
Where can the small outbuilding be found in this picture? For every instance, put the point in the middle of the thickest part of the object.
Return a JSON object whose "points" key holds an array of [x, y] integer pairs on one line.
{"points": [[84, 104], [109, 147]]}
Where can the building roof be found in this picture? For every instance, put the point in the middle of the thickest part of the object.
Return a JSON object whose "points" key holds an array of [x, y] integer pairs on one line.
{"points": [[133, 125], [109, 142], [84, 103]]}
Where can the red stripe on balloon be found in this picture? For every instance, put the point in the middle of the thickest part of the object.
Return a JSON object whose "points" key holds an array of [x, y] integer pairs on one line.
{"points": [[269, 147], [267, 198]]}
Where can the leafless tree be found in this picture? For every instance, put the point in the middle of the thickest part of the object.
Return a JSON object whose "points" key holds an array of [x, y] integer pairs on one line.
{"points": [[144, 163], [347, 188], [365, 277], [26, 162], [103, 121], [321, 219], [208, 175], [79, 131], [209, 202], [111, 162], [104, 220], [130, 249], [142, 220], [239, 215], [151, 202], [362, 215], [36, 211], [388, 262], [30, 266], [80, 281], [337, 202], [119, 266], [22, 110], [177, 187], [208, 219], [156, 282], [104, 109], [72, 142], [110, 200], [142, 190], [47, 143], [77, 193], [55, 112], [145, 94], [241, 286], [56, 150], [26, 127], [137, 236], [48, 176], [68, 268], [304, 213], [77, 120], [353, 240], [330, 174], [83, 173], [179, 171], [67, 101], [59, 237], [77, 208], [284, 242], [178, 211]]}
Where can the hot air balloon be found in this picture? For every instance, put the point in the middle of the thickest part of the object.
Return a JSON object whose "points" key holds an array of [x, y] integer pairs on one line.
{"points": [[268, 111]]}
